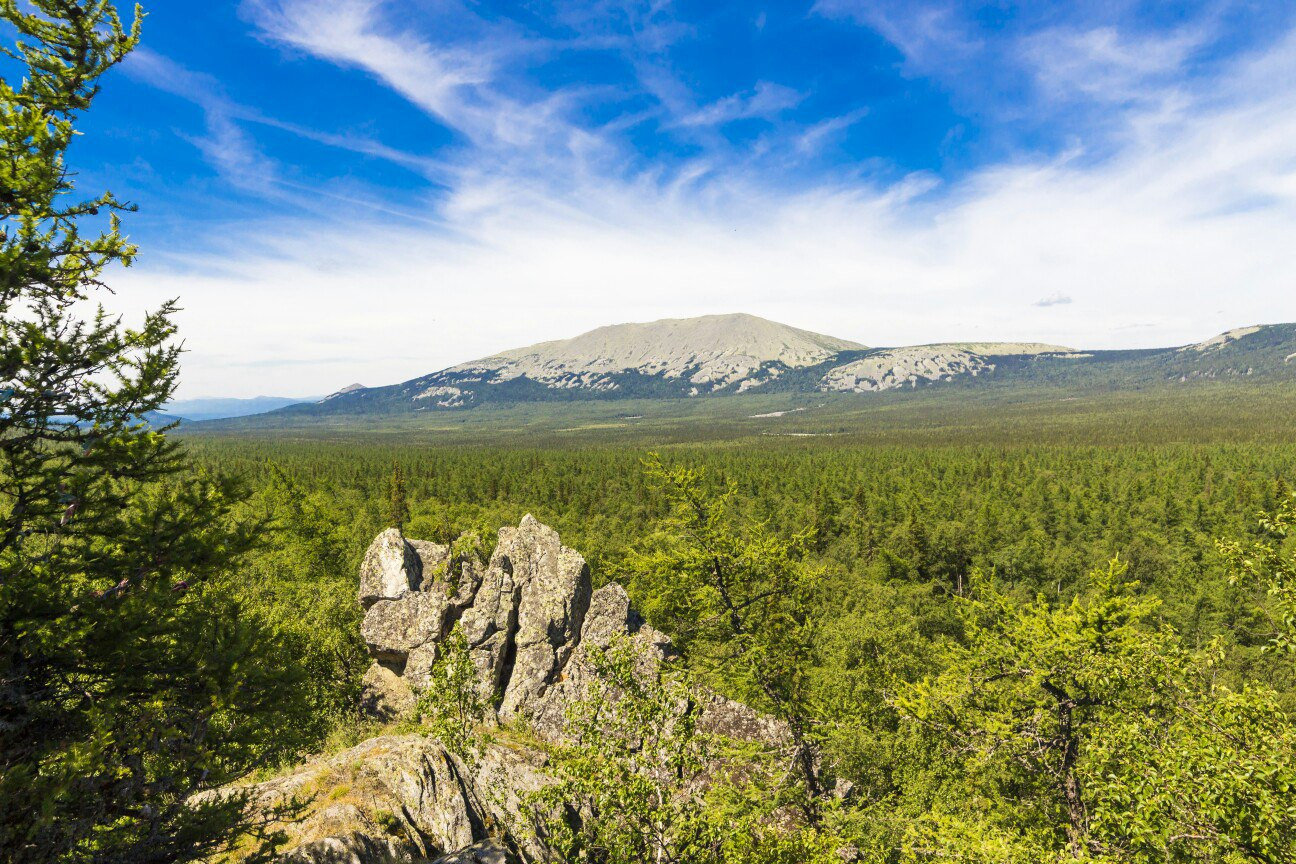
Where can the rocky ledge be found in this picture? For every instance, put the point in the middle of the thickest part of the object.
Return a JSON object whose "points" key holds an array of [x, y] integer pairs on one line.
{"points": [[531, 620]]}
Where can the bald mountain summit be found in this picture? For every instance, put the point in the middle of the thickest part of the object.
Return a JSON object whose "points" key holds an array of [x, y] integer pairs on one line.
{"points": [[724, 355]]}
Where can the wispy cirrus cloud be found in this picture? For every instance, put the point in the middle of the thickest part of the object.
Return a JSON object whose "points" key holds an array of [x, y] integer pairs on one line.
{"points": [[1106, 64], [225, 144], [550, 221], [766, 101], [927, 35], [461, 82]]}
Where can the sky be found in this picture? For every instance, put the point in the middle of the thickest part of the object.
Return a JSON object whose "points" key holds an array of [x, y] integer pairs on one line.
{"points": [[370, 190]]}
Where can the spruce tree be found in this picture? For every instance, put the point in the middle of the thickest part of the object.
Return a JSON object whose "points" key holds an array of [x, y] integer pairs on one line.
{"points": [[397, 499], [128, 680]]}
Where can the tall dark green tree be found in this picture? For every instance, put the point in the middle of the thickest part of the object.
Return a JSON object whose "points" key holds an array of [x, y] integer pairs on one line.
{"points": [[128, 681], [398, 512]]}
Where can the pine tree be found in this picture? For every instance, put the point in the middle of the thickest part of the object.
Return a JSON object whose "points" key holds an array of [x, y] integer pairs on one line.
{"points": [[397, 499], [128, 680]]}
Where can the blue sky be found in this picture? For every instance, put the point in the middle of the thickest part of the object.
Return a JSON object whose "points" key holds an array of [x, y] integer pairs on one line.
{"points": [[369, 190]]}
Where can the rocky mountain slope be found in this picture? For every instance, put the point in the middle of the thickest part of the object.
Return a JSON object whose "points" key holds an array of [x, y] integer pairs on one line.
{"points": [[531, 620], [735, 354], [710, 352]]}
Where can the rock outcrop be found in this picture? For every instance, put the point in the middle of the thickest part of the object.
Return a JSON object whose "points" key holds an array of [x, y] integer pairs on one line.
{"points": [[405, 799], [529, 617], [904, 367], [531, 623]]}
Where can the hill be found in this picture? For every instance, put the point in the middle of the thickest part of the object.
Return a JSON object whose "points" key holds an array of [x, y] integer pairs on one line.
{"points": [[218, 408], [729, 355]]}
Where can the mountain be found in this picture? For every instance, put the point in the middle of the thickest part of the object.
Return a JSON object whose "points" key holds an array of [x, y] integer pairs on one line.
{"points": [[721, 355], [213, 409], [712, 354], [350, 388]]}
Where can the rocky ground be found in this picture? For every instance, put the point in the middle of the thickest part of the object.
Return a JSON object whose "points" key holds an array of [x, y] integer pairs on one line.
{"points": [[531, 620]]}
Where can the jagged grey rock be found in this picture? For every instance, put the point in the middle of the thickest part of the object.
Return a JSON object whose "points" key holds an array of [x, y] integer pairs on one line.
{"points": [[418, 666], [393, 628], [610, 614], [355, 847], [385, 694], [389, 799], [391, 569], [533, 626], [434, 558], [485, 852], [554, 592], [405, 799], [464, 583], [488, 625], [529, 618]]}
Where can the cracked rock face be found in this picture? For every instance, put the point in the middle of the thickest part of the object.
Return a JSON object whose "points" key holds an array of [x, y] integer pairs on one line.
{"points": [[532, 624], [553, 592], [390, 800], [521, 615]]}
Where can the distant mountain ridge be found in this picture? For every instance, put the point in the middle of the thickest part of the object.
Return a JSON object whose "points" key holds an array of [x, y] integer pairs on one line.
{"points": [[221, 407], [718, 355], [712, 352]]}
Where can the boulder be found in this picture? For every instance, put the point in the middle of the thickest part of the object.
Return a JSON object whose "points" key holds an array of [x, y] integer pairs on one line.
{"points": [[485, 852], [393, 628], [394, 798], [391, 568], [384, 694], [353, 848], [405, 799]]}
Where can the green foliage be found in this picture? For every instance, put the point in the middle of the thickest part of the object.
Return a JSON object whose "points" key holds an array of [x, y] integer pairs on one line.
{"points": [[129, 678], [398, 511], [452, 705], [1086, 731], [888, 601], [739, 599], [301, 585], [1271, 563], [1212, 778], [640, 782]]}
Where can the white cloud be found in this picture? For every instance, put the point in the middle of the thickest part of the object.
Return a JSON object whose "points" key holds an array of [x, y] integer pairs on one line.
{"points": [[457, 83], [1193, 216], [766, 101], [815, 137], [926, 34], [1106, 64], [1057, 298], [225, 146]]}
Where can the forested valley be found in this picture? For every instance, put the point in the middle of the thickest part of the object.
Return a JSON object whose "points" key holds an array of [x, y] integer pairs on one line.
{"points": [[942, 594]]}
